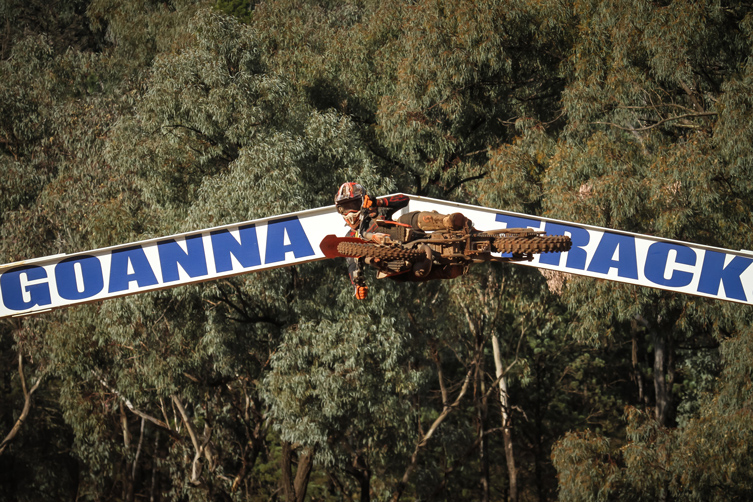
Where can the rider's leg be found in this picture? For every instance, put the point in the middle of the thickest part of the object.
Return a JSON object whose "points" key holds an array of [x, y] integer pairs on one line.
{"points": [[428, 221]]}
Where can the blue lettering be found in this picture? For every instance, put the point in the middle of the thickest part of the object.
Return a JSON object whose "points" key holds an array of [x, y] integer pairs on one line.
{"points": [[143, 274], [603, 259], [246, 251], [656, 264], [276, 247], [577, 256], [714, 273], [90, 277], [15, 286], [193, 261]]}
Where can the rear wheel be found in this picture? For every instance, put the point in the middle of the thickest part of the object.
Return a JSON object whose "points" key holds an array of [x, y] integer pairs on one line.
{"points": [[368, 250], [535, 244]]}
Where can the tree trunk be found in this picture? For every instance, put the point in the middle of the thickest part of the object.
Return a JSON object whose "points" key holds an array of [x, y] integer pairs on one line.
{"points": [[295, 488], [303, 474], [483, 440], [125, 467], [362, 475], [512, 471], [637, 375], [662, 387], [287, 472], [365, 484], [153, 486]]}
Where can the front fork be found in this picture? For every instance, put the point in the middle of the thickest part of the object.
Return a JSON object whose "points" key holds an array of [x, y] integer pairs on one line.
{"points": [[358, 276]]}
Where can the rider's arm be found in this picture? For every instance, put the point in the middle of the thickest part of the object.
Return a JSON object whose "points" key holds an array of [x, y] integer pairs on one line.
{"points": [[369, 231], [392, 203], [385, 206], [398, 201]]}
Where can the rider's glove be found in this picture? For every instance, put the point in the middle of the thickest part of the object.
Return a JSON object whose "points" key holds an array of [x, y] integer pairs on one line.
{"points": [[382, 239], [361, 292], [368, 202]]}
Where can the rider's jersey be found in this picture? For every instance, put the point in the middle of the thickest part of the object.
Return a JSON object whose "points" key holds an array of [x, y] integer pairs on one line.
{"points": [[385, 208]]}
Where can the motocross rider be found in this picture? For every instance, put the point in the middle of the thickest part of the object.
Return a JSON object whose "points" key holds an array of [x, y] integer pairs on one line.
{"points": [[361, 214]]}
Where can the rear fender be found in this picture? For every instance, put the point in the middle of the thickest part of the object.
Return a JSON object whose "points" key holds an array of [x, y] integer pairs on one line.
{"points": [[330, 242]]}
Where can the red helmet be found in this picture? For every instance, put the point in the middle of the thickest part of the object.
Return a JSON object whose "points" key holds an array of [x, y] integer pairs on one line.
{"points": [[349, 200], [349, 197]]}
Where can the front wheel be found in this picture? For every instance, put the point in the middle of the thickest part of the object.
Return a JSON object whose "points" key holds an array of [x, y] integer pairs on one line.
{"points": [[534, 244], [368, 250]]}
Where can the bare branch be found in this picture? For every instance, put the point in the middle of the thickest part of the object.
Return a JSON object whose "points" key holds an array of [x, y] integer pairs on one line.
{"points": [[27, 405], [434, 426], [138, 451], [440, 375], [657, 124], [465, 180], [137, 412], [124, 426], [196, 466], [205, 449]]}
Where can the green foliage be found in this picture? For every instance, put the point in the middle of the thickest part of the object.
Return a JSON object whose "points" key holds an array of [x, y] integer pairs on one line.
{"points": [[343, 387], [123, 120], [699, 461], [239, 9]]}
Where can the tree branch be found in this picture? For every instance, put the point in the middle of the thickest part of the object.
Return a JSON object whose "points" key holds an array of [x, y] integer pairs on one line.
{"points": [[204, 448], [465, 180], [138, 452], [440, 375], [196, 465], [662, 121], [156, 421], [434, 426], [27, 405]]}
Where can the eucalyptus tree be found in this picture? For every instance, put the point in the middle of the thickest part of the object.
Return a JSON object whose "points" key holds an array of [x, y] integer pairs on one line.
{"points": [[279, 384], [656, 142], [64, 24], [437, 92], [706, 458], [56, 197], [432, 85], [217, 138]]}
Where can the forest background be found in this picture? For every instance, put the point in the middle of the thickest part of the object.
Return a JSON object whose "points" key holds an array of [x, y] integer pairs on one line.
{"points": [[127, 119]]}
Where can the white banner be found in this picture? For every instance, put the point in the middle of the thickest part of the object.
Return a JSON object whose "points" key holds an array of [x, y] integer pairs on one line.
{"points": [[623, 256], [43, 284]]}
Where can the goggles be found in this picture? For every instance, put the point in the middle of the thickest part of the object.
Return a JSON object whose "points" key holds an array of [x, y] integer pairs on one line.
{"points": [[349, 206]]}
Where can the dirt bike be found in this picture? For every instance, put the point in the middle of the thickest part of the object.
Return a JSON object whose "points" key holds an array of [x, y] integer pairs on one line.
{"points": [[410, 247]]}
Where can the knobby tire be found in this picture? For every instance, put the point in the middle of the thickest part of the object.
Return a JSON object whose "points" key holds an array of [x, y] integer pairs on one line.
{"points": [[536, 245], [367, 250]]}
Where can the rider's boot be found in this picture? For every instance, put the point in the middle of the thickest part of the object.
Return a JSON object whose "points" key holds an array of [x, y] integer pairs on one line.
{"points": [[429, 221], [422, 268]]}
